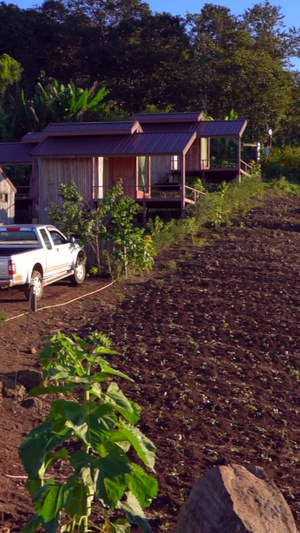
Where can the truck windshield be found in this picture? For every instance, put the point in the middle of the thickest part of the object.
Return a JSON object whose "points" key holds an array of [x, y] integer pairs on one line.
{"points": [[12, 236]]}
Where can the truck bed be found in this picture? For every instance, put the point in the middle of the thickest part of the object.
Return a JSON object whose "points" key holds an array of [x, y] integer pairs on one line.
{"points": [[13, 250]]}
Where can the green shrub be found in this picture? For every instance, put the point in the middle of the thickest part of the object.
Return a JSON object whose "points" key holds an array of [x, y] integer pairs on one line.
{"points": [[282, 162], [109, 229], [212, 209]]}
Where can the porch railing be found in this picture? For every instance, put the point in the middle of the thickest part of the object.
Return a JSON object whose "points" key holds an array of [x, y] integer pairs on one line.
{"points": [[155, 191], [246, 168], [192, 195], [213, 163], [23, 191]]}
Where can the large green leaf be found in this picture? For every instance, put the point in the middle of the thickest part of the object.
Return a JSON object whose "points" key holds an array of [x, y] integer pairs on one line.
{"points": [[105, 415], [82, 102], [96, 434], [61, 373], [99, 96], [135, 512], [71, 411], [116, 398], [82, 343], [96, 426], [120, 526], [99, 377], [109, 370], [85, 467], [50, 500], [52, 389], [112, 482], [143, 486], [78, 502], [33, 451], [143, 446]]}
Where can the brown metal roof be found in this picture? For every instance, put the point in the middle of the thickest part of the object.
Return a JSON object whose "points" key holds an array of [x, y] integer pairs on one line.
{"points": [[221, 128], [157, 143], [16, 153], [91, 128], [168, 117], [121, 145], [213, 128], [33, 137], [169, 127]]}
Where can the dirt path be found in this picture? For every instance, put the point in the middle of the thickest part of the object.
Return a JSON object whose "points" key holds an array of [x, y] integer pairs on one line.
{"points": [[211, 338]]}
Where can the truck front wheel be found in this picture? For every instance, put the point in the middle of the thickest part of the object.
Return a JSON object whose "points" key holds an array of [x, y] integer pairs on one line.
{"points": [[79, 271], [37, 283]]}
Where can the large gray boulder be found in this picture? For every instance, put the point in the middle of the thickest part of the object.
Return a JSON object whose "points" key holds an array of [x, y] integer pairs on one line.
{"points": [[235, 499]]}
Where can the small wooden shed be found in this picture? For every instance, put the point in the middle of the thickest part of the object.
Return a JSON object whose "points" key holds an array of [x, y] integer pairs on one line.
{"points": [[7, 199]]}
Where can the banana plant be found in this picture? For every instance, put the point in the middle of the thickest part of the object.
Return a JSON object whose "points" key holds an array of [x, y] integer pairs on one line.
{"points": [[51, 102], [71, 103]]}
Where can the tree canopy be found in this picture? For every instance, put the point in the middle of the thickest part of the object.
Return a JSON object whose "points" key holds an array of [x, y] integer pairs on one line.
{"points": [[10, 72], [212, 60]]}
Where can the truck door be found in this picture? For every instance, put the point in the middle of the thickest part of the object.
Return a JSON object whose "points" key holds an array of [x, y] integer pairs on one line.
{"points": [[55, 253], [63, 250]]}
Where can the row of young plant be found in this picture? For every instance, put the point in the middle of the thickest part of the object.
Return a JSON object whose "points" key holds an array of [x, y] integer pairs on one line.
{"points": [[92, 431], [120, 246], [211, 210]]}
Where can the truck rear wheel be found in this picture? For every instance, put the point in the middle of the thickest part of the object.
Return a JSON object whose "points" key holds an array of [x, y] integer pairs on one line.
{"points": [[37, 283]]}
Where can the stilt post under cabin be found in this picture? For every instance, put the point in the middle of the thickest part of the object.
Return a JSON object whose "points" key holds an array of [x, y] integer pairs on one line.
{"points": [[182, 188], [144, 208], [238, 178]]}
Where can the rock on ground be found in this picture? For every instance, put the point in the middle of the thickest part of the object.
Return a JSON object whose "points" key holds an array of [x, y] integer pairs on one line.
{"points": [[234, 499]]}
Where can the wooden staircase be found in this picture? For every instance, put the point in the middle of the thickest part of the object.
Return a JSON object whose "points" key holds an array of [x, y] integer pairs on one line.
{"points": [[191, 195], [246, 169]]}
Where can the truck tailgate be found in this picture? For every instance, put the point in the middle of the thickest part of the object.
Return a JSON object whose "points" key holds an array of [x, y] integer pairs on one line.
{"points": [[4, 267]]}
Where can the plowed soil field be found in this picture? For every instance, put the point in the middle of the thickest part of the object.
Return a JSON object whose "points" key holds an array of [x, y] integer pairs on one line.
{"points": [[212, 340]]}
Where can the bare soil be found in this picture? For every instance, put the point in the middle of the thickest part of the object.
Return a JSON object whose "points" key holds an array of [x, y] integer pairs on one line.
{"points": [[211, 338]]}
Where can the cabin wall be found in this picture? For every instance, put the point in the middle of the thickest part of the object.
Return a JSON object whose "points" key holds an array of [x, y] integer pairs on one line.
{"points": [[193, 156], [198, 156], [7, 201], [122, 169], [52, 172]]}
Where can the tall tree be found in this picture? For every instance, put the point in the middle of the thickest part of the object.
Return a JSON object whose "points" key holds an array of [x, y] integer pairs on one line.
{"points": [[150, 58], [241, 62], [10, 72], [216, 35]]}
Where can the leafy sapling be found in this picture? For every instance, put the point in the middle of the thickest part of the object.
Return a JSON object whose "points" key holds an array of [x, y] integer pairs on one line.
{"points": [[91, 426]]}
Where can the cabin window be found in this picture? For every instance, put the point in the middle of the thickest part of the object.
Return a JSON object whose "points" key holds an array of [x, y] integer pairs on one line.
{"points": [[204, 152], [3, 197], [143, 173], [174, 162]]}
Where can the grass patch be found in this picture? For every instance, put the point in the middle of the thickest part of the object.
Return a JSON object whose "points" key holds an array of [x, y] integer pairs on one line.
{"points": [[3, 317]]}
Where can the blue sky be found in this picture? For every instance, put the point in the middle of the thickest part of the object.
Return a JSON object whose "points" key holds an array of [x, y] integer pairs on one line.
{"points": [[288, 8]]}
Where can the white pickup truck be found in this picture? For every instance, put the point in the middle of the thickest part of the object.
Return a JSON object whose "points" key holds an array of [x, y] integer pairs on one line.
{"points": [[38, 255]]}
